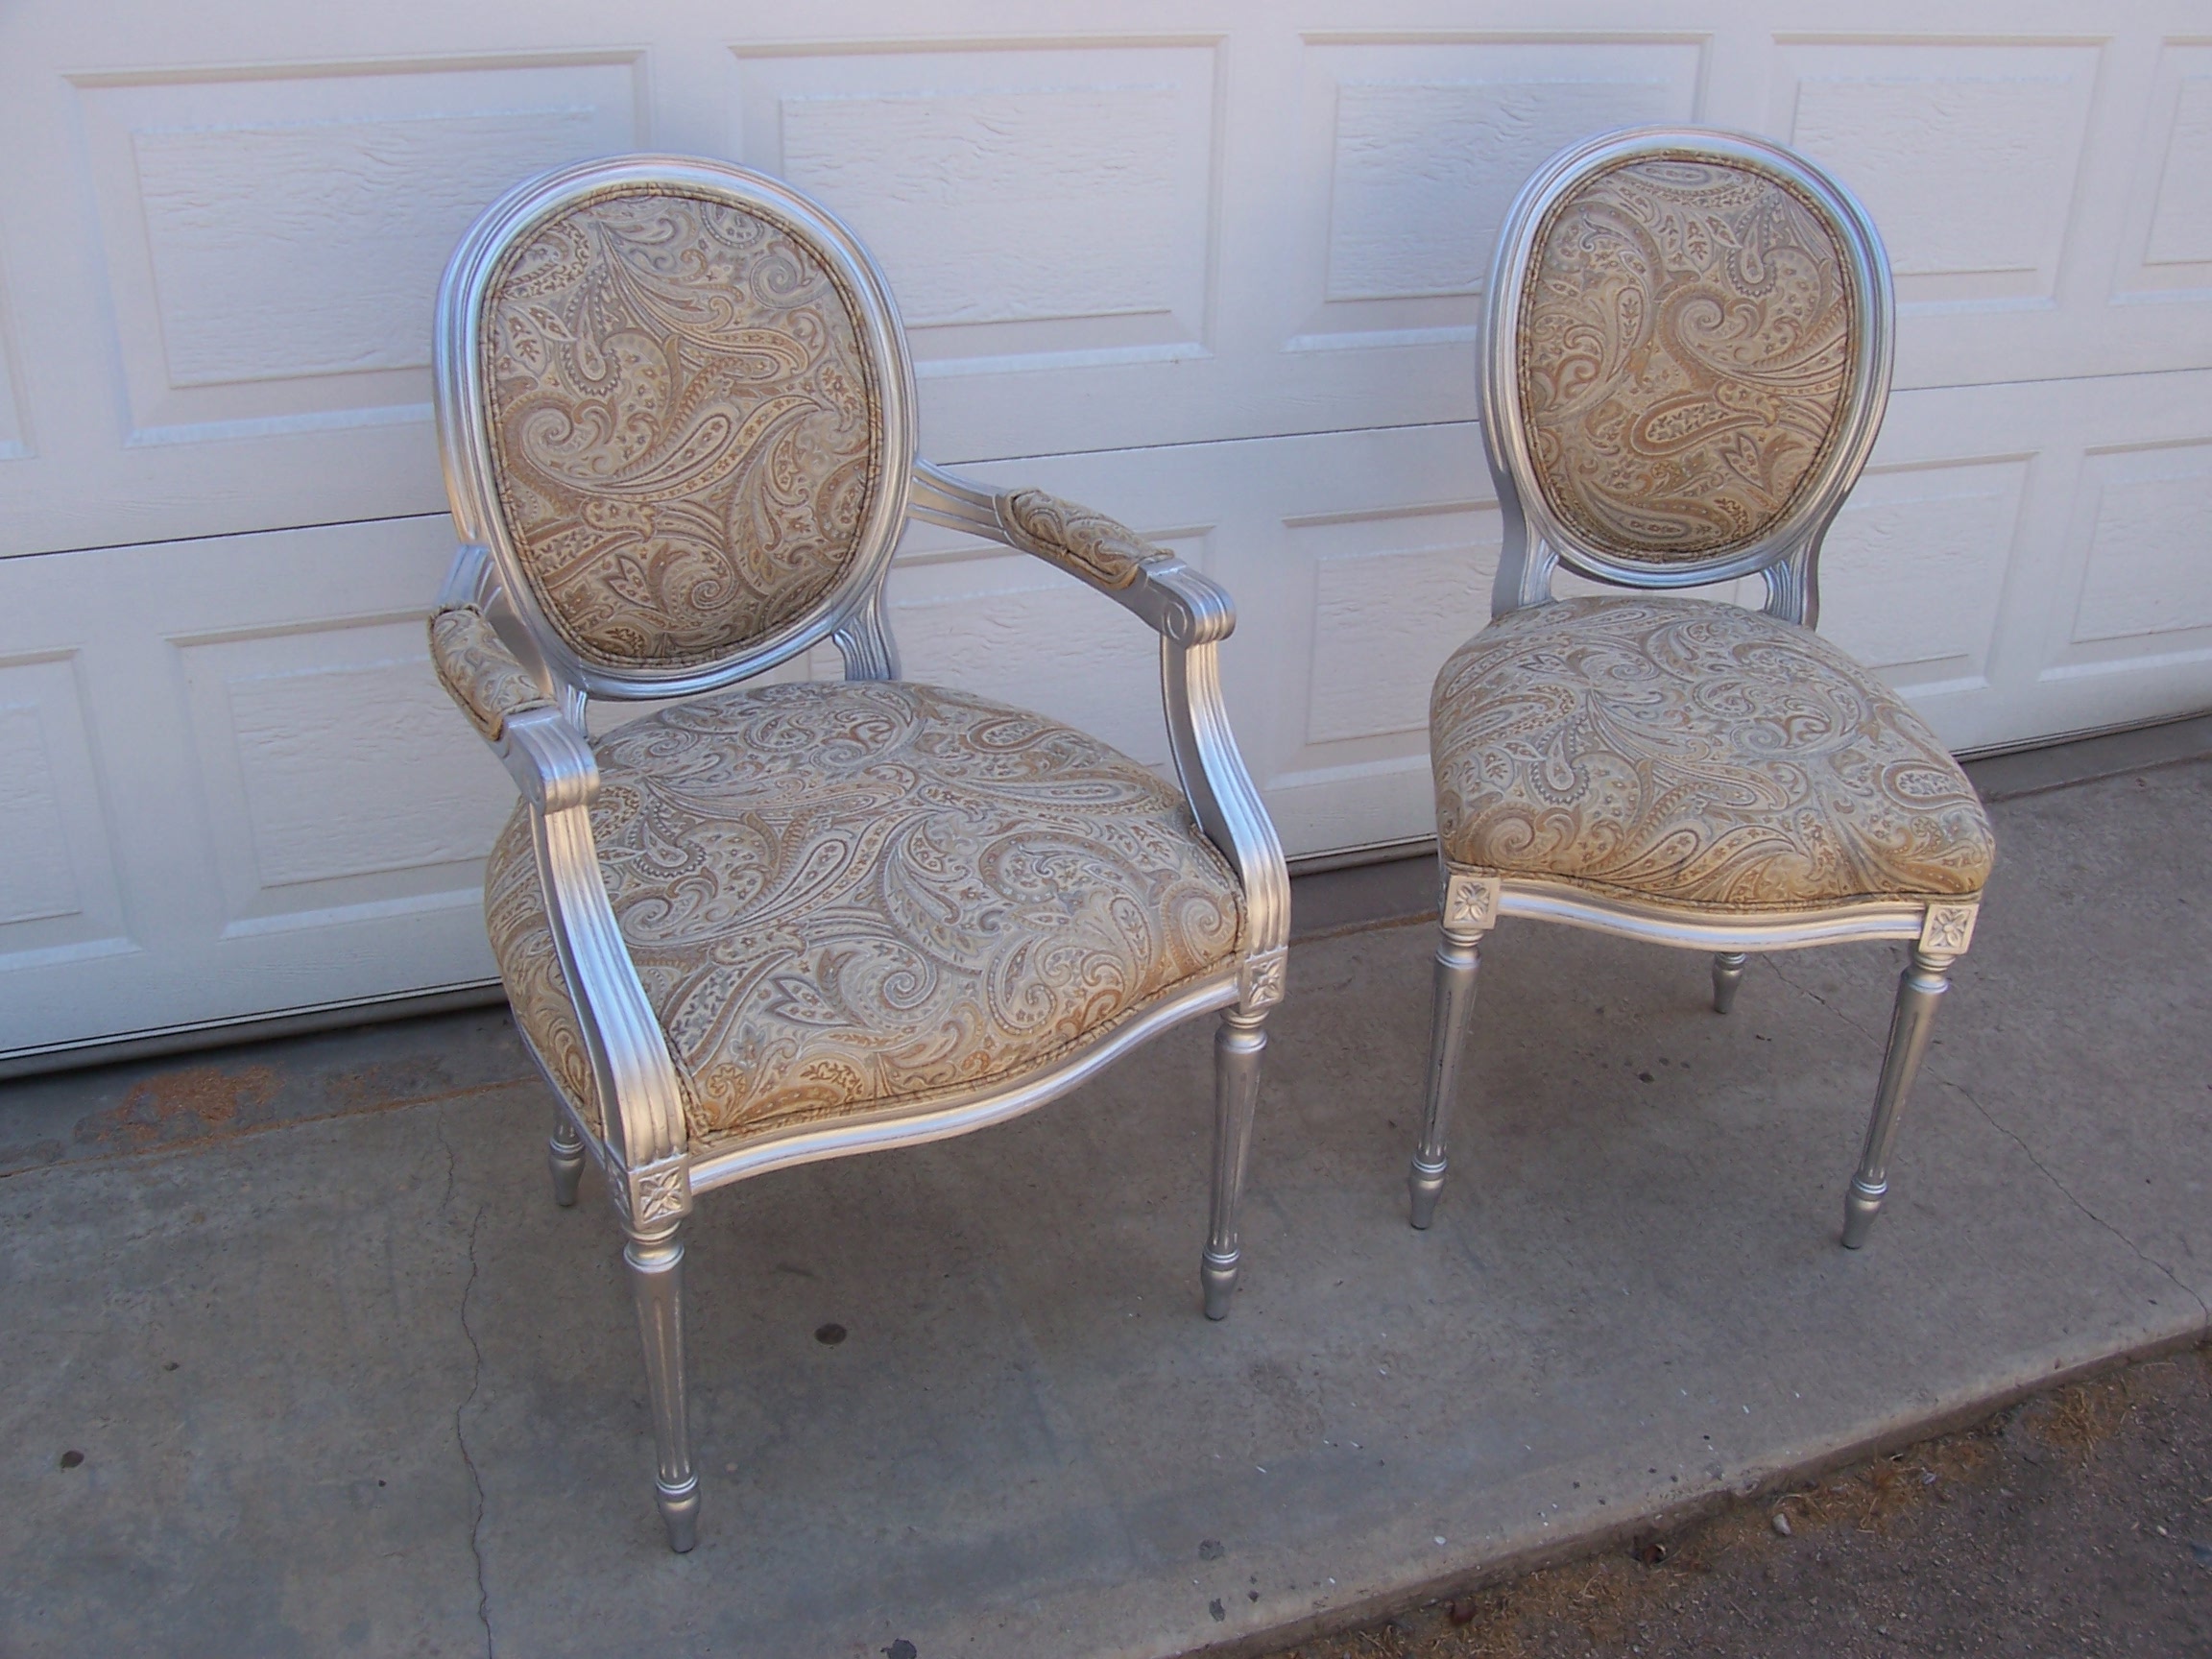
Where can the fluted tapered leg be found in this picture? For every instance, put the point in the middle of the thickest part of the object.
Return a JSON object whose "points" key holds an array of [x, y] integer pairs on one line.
{"points": [[1457, 957], [1237, 1049], [1919, 989], [656, 1264], [1727, 975], [565, 1157]]}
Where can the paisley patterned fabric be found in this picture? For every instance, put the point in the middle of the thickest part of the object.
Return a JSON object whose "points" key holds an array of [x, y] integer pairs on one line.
{"points": [[479, 672], [684, 418], [1080, 538], [846, 896], [1694, 754], [1684, 356]]}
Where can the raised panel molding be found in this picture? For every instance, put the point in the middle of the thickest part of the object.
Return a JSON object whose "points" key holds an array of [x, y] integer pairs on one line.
{"points": [[1936, 138], [337, 772], [15, 423], [1073, 177], [2143, 568], [282, 251], [2181, 213], [274, 240], [1424, 172], [2170, 225], [36, 879], [1943, 532], [1031, 205], [59, 897], [1415, 149], [1385, 616]]}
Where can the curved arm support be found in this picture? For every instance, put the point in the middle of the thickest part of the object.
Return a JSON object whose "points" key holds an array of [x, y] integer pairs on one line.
{"points": [[1226, 803], [1192, 614], [641, 1098]]}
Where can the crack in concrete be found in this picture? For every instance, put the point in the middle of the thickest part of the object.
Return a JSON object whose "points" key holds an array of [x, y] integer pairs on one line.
{"points": [[475, 1382], [1990, 1118]]}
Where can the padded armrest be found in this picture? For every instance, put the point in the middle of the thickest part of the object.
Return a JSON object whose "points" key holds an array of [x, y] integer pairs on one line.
{"points": [[1080, 538], [479, 672]]}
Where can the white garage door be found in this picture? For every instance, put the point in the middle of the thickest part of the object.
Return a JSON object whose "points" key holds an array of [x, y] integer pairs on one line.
{"points": [[1213, 264]]}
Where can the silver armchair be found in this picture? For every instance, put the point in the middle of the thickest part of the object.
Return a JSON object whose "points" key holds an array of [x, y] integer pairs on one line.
{"points": [[1686, 359], [771, 924]]}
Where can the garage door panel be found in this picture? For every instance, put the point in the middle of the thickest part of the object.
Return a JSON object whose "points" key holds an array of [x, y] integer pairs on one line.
{"points": [[59, 897], [335, 772], [1936, 139], [2147, 520], [2112, 481], [264, 797], [1944, 531], [272, 242], [1391, 601], [14, 418], [2016, 183], [1033, 205], [1415, 147], [2169, 234]]}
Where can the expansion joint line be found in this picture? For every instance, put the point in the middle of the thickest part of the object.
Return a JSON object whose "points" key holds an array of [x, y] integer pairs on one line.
{"points": [[475, 1382], [1995, 1123]]}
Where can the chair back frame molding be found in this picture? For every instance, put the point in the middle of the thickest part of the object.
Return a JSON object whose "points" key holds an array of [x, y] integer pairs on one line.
{"points": [[851, 612], [652, 1170], [1788, 553]]}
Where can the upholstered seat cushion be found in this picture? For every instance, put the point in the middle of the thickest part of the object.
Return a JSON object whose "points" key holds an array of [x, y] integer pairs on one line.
{"points": [[849, 896], [1694, 754]]}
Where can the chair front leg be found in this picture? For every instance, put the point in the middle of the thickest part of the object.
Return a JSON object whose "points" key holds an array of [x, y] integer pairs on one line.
{"points": [[1239, 1044], [1458, 956], [656, 1264], [1919, 988], [564, 1158], [1727, 975], [1470, 908]]}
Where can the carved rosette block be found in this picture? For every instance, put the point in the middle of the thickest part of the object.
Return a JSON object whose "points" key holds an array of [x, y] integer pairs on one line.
{"points": [[1948, 929], [1260, 985], [1470, 902], [652, 1195]]}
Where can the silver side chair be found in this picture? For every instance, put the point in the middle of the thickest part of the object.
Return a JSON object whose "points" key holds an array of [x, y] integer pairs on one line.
{"points": [[767, 923], [1686, 359]]}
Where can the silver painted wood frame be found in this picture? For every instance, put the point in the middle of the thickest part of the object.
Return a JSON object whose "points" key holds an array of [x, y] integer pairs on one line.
{"points": [[1537, 542], [652, 1171]]}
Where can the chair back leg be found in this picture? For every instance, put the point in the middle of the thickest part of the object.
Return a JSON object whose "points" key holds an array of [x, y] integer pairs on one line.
{"points": [[656, 1264], [1457, 957], [1727, 975], [1919, 988], [1239, 1044], [564, 1158]]}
